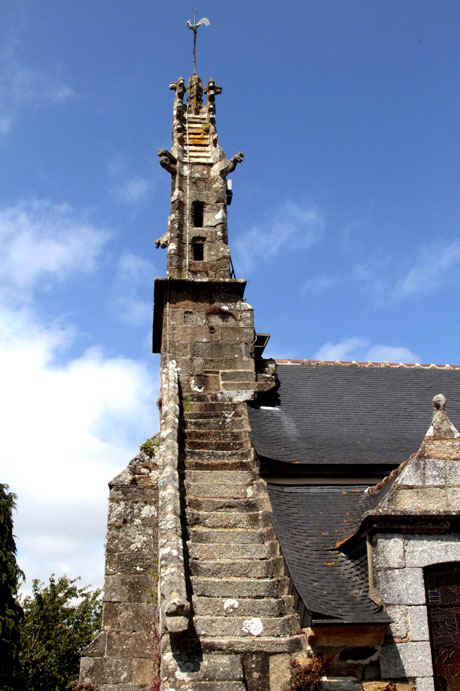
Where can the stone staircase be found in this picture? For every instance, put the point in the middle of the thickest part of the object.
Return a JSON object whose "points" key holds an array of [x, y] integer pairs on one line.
{"points": [[198, 139], [239, 589]]}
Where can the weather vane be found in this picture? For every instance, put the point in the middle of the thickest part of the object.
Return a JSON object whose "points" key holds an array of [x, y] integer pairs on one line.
{"points": [[194, 26]]}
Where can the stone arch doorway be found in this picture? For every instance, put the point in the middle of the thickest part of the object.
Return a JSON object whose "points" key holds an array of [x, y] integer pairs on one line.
{"points": [[442, 585]]}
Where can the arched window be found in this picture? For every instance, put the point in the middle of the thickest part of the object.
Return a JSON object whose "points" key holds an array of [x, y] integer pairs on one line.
{"points": [[442, 585]]}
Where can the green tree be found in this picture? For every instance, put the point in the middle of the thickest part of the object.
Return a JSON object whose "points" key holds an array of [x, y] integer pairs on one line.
{"points": [[60, 619], [10, 610]]}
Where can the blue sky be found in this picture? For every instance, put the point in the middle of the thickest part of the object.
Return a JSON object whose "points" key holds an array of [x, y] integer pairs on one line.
{"points": [[345, 216]]}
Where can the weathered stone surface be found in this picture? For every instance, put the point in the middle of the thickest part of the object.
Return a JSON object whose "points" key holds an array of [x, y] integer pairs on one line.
{"points": [[280, 672], [129, 645], [401, 586], [245, 626], [399, 626], [128, 616], [389, 552], [228, 606], [435, 472], [418, 623], [240, 587], [129, 588], [431, 549], [425, 684], [292, 644], [406, 660], [193, 668], [97, 647]]}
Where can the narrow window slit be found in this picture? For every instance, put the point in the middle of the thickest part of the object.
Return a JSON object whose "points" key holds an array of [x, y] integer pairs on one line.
{"points": [[197, 214], [198, 249]]}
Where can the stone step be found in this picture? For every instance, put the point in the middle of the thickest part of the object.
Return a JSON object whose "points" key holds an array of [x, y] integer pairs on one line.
{"points": [[224, 550], [217, 423], [243, 607], [246, 626], [242, 568], [241, 536], [219, 463], [219, 489], [198, 503], [194, 668], [236, 454], [207, 443], [204, 411], [267, 644], [216, 476], [228, 519], [218, 434], [239, 587]]}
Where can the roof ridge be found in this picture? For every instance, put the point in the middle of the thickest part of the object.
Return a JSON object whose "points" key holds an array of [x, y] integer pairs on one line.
{"points": [[356, 363]]}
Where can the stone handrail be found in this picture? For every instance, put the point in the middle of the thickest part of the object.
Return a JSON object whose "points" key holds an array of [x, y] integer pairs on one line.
{"points": [[173, 600]]}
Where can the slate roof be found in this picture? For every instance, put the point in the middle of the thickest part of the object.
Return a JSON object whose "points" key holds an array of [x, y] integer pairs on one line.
{"points": [[349, 413], [310, 522]]}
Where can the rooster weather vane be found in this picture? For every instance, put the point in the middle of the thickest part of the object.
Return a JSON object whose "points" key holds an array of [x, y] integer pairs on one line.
{"points": [[194, 26]]}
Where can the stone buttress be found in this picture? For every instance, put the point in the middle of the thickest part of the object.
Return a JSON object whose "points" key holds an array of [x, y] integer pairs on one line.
{"points": [[226, 617]]}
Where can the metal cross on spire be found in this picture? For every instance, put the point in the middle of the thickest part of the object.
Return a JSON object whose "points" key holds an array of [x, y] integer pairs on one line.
{"points": [[194, 26]]}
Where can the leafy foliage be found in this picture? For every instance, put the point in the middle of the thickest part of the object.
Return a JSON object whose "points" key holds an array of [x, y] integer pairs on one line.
{"points": [[10, 610], [60, 619]]}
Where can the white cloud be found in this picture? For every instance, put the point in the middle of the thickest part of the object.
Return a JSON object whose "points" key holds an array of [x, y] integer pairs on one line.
{"points": [[292, 228], [132, 190], [132, 310], [66, 430], [319, 284], [429, 270], [131, 267], [40, 238], [68, 426], [361, 350], [23, 87]]}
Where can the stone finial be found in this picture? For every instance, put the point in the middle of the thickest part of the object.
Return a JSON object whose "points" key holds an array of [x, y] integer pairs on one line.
{"points": [[212, 90], [441, 427], [195, 94], [179, 87]]}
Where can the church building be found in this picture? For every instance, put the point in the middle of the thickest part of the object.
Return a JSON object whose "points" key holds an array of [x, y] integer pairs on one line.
{"points": [[295, 524]]}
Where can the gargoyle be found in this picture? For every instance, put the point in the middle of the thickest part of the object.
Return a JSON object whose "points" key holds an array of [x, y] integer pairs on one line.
{"points": [[227, 166], [163, 242], [167, 161]]}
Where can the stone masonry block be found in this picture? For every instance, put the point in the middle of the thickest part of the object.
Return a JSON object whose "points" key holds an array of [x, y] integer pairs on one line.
{"points": [[129, 588], [413, 474], [428, 499], [143, 669], [435, 472], [128, 617], [418, 623], [136, 644], [389, 552], [425, 684], [92, 669], [401, 586], [453, 499], [452, 473], [431, 549], [117, 670], [406, 660]]}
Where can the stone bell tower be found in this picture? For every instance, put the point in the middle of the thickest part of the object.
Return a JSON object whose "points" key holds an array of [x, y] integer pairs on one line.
{"points": [[200, 319]]}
